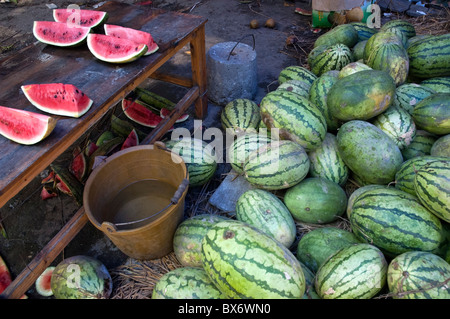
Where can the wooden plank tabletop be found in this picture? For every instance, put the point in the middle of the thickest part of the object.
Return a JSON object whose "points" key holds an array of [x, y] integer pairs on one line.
{"points": [[104, 83]]}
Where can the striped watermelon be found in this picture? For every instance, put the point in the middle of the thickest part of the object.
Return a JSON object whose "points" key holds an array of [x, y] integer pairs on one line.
{"points": [[344, 33], [186, 283], [241, 148], [430, 57], [358, 50], [356, 193], [432, 114], [397, 124], [315, 52], [353, 67], [245, 263], [297, 118], [418, 275], [405, 176], [364, 31], [409, 94], [416, 38], [361, 95], [420, 145], [317, 245], [265, 211], [316, 200], [395, 222], [200, 159], [368, 152], [278, 165], [405, 27], [188, 237], [391, 58], [326, 162], [240, 115], [354, 272], [296, 72], [432, 185], [335, 57], [441, 147], [438, 84], [378, 40], [296, 86], [318, 95]]}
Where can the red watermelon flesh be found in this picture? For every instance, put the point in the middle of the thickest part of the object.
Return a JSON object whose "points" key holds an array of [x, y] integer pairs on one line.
{"points": [[59, 33], [137, 36], [114, 50], [58, 98], [131, 140], [5, 276], [43, 283], [25, 127], [166, 112], [80, 17], [140, 114]]}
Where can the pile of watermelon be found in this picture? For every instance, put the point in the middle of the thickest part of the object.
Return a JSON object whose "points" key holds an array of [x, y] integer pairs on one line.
{"points": [[371, 110]]}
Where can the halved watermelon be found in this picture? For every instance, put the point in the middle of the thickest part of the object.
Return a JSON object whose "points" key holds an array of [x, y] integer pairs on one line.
{"points": [[114, 50], [137, 36], [58, 98], [25, 127], [140, 114], [59, 34], [166, 112], [80, 17]]}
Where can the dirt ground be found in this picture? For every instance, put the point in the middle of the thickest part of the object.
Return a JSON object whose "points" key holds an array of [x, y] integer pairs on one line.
{"points": [[30, 222]]}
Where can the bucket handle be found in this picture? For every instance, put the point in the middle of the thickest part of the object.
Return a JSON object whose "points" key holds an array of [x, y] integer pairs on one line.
{"points": [[239, 41], [112, 228]]}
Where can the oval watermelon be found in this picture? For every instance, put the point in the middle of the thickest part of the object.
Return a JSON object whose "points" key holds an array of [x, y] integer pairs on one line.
{"points": [[441, 147], [245, 263], [432, 114], [420, 145]]}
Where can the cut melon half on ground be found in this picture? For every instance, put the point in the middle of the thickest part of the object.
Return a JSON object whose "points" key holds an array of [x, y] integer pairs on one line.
{"points": [[25, 127], [80, 17], [137, 36], [114, 50], [59, 34], [43, 286], [166, 112], [58, 98]]}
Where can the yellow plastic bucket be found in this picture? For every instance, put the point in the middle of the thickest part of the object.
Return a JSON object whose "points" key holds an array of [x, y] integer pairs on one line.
{"points": [[136, 197]]}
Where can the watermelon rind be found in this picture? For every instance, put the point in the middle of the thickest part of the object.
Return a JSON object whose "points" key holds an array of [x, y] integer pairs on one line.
{"points": [[81, 17], [61, 35], [25, 127], [58, 99], [43, 282], [98, 42]]}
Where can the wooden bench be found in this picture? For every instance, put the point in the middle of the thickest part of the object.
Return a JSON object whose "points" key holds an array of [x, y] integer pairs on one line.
{"points": [[106, 84]]}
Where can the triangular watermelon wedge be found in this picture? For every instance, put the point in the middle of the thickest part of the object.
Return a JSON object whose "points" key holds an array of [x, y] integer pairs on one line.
{"points": [[114, 50], [137, 36], [25, 127], [80, 17], [164, 112], [59, 34], [58, 98]]}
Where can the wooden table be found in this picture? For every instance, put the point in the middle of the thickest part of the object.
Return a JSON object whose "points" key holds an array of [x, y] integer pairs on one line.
{"points": [[106, 84]]}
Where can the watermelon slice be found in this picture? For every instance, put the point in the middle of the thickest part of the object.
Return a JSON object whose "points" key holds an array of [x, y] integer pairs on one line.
{"points": [[59, 34], [58, 98], [131, 140], [114, 50], [78, 165], [137, 36], [43, 283], [164, 112], [79, 17], [25, 127], [140, 114], [5, 277]]}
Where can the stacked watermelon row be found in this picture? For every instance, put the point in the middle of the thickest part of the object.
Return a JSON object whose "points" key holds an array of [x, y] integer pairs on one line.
{"points": [[344, 118]]}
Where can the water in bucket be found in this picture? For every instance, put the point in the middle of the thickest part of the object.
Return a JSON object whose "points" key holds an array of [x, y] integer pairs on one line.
{"points": [[136, 201]]}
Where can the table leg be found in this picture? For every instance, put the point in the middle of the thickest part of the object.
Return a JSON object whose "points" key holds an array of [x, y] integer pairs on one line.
{"points": [[198, 64]]}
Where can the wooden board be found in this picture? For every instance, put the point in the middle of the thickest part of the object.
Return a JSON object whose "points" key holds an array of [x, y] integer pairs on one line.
{"points": [[104, 83]]}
